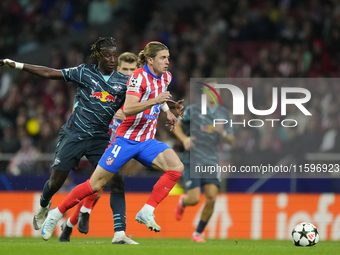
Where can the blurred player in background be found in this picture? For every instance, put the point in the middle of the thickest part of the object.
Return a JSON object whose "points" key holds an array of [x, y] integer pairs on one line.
{"points": [[146, 95], [100, 94], [127, 63], [195, 131]]}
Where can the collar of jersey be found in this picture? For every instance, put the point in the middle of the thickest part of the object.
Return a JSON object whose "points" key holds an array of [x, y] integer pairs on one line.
{"points": [[149, 72], [103, 74]]}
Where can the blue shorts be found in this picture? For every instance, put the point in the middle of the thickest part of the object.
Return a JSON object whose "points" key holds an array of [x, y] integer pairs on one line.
{"points": [[121, 150]]}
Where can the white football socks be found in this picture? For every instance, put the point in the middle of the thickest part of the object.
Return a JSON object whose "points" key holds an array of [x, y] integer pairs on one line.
{"points": [[148, 209], [56, 213], [69, 224], [83, 209], [119, 233]]}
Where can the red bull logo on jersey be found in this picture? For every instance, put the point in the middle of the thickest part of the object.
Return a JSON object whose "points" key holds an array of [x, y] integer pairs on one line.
{"points": [[103, 96], [207, 128]]}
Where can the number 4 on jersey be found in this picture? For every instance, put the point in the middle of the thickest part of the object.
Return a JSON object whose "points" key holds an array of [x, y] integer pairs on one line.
{"points": [[116, 150]]}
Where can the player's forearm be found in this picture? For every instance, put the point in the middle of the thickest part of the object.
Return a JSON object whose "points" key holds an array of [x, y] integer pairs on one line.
{"points": [[42, 71], [179, 132], [134, 108], [171, 104], [228, 139]]}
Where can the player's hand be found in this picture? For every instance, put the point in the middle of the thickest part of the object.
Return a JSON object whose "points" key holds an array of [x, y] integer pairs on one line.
{"points": [[119, 115], [188, 142], [180, 108], [218, 128], [162, 97], [7, 62], [172, 121]]}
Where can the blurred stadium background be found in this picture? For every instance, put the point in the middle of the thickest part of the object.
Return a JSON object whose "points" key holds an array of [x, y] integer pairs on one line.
{"points": [[206, 38]]}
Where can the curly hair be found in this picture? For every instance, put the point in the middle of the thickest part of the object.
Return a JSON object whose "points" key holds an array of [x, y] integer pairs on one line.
{"points": [[97, 47]]}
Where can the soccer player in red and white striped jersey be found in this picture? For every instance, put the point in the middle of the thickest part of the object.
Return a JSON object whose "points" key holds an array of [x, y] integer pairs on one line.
{"points": [[146, 95], [144, 85]]}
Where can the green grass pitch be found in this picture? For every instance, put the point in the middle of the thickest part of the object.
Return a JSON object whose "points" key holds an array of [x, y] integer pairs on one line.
{"points": [[93, 246]]}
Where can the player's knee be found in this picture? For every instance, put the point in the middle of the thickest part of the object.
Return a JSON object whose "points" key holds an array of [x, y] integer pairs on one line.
{"points": [[54, 184], [210, 201], [179, 167], [96, 187], [117, 187], [117, 183], [193, 200]]}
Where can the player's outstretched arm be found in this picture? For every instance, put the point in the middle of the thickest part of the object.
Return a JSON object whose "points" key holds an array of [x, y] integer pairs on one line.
{"points": [[132, 105], [42, 71]]}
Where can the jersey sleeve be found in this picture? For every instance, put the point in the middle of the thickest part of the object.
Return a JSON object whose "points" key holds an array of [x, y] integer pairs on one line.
{"points": [[73, 74], [135, 85]]}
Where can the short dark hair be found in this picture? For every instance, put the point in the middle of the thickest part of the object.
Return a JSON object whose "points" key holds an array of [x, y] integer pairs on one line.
{"points": [[97, 47], [127, 57]]}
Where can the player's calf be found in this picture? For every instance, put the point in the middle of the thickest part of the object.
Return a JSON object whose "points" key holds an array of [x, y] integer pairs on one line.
{"points": [[180, 208]]}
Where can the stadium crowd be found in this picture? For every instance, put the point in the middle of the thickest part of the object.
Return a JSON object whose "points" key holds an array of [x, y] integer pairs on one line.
{"points": [[234, 39]]}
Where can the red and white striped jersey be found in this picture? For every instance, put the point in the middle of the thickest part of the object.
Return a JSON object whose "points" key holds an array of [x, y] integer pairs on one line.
{"points": [[145, 85]]}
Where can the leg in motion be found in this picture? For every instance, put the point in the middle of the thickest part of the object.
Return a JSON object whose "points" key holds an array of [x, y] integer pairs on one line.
{"points": [[85, 210], [193, 192], [168, 162], [118, 207], [210, 191], [79, 217], [191, 198], [55, 182], [98, 180]]}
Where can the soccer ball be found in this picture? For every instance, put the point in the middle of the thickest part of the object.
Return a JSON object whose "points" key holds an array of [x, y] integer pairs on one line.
{"points": [[305, 234]]}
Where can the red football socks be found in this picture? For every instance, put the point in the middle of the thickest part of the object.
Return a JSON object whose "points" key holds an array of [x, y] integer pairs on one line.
{"points": [[74, 216], [163, 187], [88, 202], [76, 195]]}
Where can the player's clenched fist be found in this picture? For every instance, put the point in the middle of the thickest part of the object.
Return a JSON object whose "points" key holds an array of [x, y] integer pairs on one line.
{"points": [[162, 97], [10, 63]]}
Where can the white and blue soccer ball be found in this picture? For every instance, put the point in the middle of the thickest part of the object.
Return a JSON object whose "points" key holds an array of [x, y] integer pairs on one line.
{"points": [[305, 234]]}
